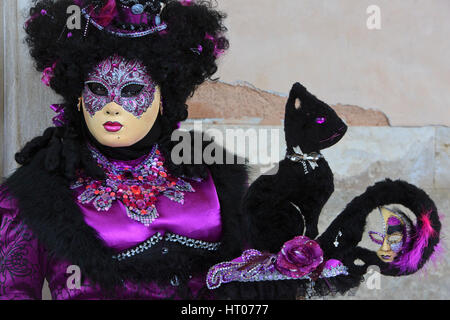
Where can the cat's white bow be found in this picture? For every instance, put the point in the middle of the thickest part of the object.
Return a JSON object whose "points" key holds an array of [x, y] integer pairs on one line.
{"points": [[306, 157]]}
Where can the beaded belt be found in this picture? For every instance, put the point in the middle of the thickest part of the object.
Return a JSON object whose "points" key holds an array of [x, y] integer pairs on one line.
{"points": [[170, 237]]}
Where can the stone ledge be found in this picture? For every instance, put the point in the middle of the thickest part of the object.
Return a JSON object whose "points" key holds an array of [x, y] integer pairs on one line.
{"points": [[365, 155], [369, 154]]}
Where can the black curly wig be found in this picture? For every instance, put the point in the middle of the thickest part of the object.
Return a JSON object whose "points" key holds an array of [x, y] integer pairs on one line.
{"points": [[168, 57]]}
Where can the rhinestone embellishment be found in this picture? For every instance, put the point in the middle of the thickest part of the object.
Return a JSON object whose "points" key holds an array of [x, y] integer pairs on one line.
{"points": [[193, 243], [170, 237], [138, 188], [139, 249], [262, 270], [137, 8]]}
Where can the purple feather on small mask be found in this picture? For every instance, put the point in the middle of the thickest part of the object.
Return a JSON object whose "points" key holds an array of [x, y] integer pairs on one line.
{"points": [[409, 261]]}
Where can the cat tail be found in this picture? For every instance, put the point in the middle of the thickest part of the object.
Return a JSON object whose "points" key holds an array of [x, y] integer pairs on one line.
{"points": [[340, 240]]}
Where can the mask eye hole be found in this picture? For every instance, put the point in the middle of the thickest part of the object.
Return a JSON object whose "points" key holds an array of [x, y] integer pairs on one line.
{"points": [[376, 237], [131, 90], [97, 89], [321, 120], [395, 238]]}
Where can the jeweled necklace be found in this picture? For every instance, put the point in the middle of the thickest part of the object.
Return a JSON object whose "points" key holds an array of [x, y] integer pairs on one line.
{"points": [[137, 187]]}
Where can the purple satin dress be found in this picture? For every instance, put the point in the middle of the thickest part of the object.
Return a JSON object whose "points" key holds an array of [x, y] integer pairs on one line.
{"points": [[24, 263]]}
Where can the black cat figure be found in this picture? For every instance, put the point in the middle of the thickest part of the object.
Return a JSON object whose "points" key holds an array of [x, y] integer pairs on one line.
{"points": [[303, 181]]}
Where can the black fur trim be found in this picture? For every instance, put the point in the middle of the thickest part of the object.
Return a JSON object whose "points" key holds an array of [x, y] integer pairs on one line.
{"points": [[289, 289], [268, 204], [47, 206]]}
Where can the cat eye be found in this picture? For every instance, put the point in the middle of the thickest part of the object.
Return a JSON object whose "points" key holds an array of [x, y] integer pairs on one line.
{"points": [[321, 120], [97, 89], [131, 90]]}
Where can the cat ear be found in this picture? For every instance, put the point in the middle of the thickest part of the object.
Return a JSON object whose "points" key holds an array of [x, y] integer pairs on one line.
{"points": [[295, 98], [298, 103]]}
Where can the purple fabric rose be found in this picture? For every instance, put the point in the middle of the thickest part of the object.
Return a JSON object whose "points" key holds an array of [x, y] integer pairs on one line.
{"points": [[298, 257]]}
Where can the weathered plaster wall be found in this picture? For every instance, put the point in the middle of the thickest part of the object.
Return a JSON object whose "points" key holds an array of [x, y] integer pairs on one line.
{"points": [[402, 70], [243, 103]]}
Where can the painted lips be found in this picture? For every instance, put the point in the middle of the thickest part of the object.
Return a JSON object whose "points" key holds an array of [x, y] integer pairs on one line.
{"points": [[112, 126]]}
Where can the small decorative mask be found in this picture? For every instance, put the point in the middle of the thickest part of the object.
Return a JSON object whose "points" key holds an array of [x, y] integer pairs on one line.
{"points": [[394, 235]]}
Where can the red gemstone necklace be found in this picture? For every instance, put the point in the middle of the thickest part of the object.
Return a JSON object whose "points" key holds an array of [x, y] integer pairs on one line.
{"points": [[137, 187]]}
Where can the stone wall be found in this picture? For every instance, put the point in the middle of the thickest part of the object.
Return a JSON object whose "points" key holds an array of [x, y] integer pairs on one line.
{"points": [[419, 155]]}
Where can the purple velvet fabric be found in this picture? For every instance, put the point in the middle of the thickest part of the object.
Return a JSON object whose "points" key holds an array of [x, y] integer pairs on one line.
{"points": [[61, 287], [197, 218], [24, 263]]}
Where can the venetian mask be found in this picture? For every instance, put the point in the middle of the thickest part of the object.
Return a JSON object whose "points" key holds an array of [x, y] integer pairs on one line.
{"points": [[120, 102], [393, 236]]}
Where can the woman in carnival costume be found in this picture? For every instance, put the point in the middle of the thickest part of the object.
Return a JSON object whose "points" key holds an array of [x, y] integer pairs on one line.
{"points": [[100, 192]]}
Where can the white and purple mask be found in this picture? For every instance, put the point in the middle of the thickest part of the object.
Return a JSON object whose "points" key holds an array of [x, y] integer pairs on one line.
{"points": [[125, 82], [393, 237]]}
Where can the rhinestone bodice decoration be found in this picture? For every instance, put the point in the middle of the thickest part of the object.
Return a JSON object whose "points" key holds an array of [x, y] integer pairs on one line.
{"points": [[137, 187]]}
